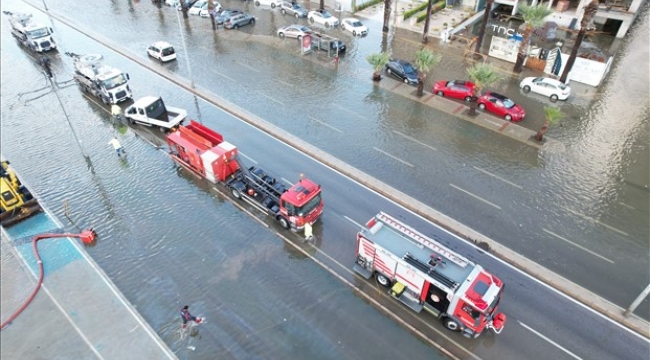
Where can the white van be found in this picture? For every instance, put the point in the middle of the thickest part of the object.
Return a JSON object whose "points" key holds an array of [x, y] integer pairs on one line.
{"points": [[271, 3], [162, 51]]}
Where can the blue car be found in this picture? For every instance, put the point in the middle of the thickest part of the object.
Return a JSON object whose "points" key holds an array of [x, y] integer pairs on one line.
{"points": [[402, 70]]}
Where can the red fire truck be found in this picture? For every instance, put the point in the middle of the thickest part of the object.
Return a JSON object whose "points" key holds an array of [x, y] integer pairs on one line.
{"points": [[204, 152], [423, 274]]}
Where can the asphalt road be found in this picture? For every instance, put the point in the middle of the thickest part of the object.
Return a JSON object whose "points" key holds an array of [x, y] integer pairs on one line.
{"points": [[537, 314]]}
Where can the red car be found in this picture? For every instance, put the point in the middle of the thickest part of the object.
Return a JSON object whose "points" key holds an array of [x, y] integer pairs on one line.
{"points": [[457, 89], [501, 106]]}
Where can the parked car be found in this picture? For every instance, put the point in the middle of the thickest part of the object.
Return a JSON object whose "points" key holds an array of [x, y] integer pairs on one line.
{"points": [[354, 26], [294, 9], [402, 70], [294, 31], [225, 15], [271, 3], [162, 51], [554, 89], [327, 43], [197, 7], [322, 17], [237, 21], [206, 13], [177, 3], [457, 89], [501, 106]]}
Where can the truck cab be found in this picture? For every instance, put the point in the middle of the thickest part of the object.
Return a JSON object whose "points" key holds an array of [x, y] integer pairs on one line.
{"points": [[151, 111], [31, 34]]}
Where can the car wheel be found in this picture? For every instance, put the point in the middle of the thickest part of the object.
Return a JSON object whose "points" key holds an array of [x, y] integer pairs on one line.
{"points": [[406, 81], [508, 117], [481, 106], [382, 280], [299, 37], [162, 129], [296, 15], [130, 120], [451, 324], [281, 35], [440, 93], [554, 98], [252, 22], [272, 6], [283, 222], [468, 98], [311, 20], [327, 25], [526, 89], [388, 70], [284, 12], [236, 26], [257, 3], [354, 33]]}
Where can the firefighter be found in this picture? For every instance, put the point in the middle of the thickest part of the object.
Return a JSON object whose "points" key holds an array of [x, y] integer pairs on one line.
{"points": [[186, 316]]}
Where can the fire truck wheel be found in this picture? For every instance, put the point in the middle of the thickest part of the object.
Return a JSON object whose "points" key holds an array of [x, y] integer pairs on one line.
{"points": [[383, 281], [283, 222], [235, 193], [451, 324]]}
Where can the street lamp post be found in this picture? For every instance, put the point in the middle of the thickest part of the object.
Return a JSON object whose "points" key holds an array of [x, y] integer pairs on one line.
{"points": [[187, 58]]}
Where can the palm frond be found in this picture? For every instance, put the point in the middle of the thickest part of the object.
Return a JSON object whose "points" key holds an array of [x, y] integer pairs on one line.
{"points": [[425, 59], [534, 15]]}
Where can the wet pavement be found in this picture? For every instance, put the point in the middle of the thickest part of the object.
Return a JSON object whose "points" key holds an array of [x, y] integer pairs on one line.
{"points": [[119, 215]]}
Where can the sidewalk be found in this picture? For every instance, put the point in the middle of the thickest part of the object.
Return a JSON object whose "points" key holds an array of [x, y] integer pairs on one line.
{"points": [[78, 312]]}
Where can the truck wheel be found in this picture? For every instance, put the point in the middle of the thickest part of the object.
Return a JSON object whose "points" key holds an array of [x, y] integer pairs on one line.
{"points": [[104, 100], [450, 324], [382, 280], [235, 193], [162, 129], [283, 222], [130, 121]]}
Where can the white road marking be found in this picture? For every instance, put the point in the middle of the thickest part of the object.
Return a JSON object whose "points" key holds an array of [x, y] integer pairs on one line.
{"points": [[578, 246], [272, 99], [596, 221], [350, 111], [287, 181], [549, 340], [394, 157], [285, 83], [354, 222], [627, 206], [249, 67], [497, 177], [247, 157], [415, 140], [325, 124], [223, 75], [476, 196]]}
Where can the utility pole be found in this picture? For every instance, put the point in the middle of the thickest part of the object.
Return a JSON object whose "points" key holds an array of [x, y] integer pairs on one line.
{"points": [[187, 58], [589, 12]]}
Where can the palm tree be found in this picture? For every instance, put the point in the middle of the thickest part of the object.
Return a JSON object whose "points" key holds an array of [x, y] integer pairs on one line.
{"points": [[553, 115], [387, 4], [378, 61], [425, 59], [533, 18], [482, 75], [486, 18], [589, 12]]}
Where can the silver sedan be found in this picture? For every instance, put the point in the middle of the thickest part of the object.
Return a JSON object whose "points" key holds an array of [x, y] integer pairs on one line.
{"points": [[293, 31]]}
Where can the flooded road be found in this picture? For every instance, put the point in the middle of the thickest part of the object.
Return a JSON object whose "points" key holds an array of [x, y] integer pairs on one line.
{"points": [[185, 245]]}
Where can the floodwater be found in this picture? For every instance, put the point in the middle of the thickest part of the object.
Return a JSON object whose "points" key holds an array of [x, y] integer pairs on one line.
{"points": [[594, 191]]}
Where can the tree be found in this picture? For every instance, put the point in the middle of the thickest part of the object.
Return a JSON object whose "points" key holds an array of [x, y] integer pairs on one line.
{"points": [[481, 32], [378, 61], [533, 18], [387, 4], [482, 75], [589, 12], [553, 115], [211, 12], [425, 32], [425, 59]]}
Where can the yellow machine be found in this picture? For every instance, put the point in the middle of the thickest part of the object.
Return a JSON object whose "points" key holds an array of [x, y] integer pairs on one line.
{"points": [[16, 202]]}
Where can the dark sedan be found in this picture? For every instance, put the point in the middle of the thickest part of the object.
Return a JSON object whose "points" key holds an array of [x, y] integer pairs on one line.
{"points": [[402, 70]]}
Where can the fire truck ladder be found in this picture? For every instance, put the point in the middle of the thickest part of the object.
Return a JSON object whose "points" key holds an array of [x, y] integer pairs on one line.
{"points": [[429, 270]]}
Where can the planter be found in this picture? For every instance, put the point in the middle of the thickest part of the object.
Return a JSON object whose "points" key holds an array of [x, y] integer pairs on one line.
{"points": [[376, 77]]}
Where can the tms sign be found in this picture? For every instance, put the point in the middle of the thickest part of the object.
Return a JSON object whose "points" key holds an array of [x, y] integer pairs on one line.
{"points": [[502, 30]]}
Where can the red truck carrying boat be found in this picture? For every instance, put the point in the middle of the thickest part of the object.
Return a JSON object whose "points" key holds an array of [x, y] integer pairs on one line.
{"points": [[204, 152]]}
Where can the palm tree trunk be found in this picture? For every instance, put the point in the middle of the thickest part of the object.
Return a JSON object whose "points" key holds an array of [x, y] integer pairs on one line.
{"points": [[427, 20], [574, 53], [420, 91], [540, 134], [481, 33], [387, 4], [523, 50], [322, 5]]}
